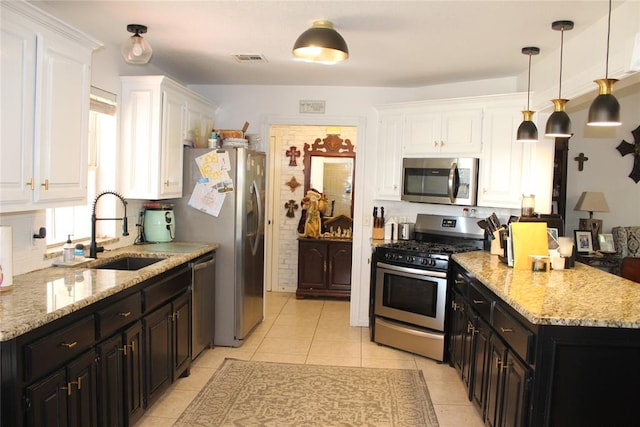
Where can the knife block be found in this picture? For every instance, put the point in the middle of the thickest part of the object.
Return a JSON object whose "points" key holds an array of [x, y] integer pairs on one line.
{"points": [[377, 233]]}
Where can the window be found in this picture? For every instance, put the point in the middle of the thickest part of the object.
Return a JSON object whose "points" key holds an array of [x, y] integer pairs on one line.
{"points": [[76, 220]]}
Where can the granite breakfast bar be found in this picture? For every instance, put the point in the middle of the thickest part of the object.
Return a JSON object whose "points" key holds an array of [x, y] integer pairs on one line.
{"points": [[552, 348], [101, 344]]}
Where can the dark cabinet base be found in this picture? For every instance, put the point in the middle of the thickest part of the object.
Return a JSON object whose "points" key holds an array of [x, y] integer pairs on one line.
{"points": [[324, 268]]}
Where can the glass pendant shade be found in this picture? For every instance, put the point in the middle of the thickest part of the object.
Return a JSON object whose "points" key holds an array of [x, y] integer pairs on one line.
{"points": [[527, 131], [559, 123], [321, 43], [136, 50]]}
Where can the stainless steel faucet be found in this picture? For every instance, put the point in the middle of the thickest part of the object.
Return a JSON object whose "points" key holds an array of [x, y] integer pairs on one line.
{"points": [[93, 247]]}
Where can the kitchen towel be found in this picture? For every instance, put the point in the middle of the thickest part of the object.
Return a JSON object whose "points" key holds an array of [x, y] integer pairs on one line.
{"points": [[6, 257]]}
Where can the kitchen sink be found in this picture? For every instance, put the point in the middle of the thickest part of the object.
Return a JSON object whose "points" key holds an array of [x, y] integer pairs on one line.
{"points": [[127, 263]]}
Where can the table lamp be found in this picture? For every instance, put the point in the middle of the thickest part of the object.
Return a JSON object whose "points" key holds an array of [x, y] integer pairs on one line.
{"points": [[592, 201]]}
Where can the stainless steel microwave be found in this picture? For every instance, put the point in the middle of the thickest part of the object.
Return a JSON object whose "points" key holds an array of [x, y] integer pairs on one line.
{"points": [[449, 181]]}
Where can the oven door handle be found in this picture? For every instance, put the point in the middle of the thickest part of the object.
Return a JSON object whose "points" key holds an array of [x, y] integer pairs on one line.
{"points": [[412, 270], [452, 181]]}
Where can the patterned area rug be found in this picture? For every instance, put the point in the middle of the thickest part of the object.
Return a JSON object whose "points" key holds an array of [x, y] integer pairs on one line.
{"points": [[243, 393]]}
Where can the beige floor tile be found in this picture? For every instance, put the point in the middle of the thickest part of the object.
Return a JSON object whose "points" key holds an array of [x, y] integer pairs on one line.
{"points": [[172, 404], [294, 330], [285, 345], [389, 363], [148, 421], [339, 333], [197, 379], [371, 350], [457, 416], [331, 348], [280, 358], [436, 371], [310, 320], [303, 307], [448, 393], [335, 360]]}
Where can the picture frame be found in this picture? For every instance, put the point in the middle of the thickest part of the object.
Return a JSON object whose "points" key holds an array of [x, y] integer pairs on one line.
{"points": [[584, 241], [606, 243]]}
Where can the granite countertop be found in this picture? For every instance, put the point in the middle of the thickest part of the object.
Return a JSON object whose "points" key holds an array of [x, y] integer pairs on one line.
{"points": [[579, 296], [42, 296]]}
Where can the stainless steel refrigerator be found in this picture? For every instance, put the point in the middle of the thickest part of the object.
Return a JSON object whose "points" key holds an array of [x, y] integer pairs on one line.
{"points": [[239, 229]]}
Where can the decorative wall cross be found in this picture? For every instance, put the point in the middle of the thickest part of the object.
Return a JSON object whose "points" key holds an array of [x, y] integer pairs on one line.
{"points": [[628, 148], [290, 206], [292, 153], [581, 159], [293, 184]]}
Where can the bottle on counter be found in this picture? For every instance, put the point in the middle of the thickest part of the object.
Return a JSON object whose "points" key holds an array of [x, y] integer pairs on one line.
{"points": [[68, 250], [79, 250]]}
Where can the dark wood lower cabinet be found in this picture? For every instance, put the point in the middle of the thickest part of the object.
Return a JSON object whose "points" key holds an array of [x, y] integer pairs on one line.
{"points": [[120, 377], [324, 268], [104, 364], [68, 397], [497, 380], [167, 332]]}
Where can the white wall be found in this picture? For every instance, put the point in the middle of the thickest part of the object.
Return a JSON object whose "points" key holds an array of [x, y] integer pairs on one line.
{"points": [[606, 170]]}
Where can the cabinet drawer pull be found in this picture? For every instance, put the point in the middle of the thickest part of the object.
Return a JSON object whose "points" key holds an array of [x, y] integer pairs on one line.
{"points": [[478, 301], [69, 344], [68, 388], [125, 314], [506, 330], [459, 282], [45, 184]]}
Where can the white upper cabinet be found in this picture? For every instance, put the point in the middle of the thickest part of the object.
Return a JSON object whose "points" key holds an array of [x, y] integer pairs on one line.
{"points": [[504, 163], [445, 129], [389, 154], [158, 117], [46, 77]]}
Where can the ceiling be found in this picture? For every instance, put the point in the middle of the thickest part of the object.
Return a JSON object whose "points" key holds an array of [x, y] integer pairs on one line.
{"points": [[391, 43]]}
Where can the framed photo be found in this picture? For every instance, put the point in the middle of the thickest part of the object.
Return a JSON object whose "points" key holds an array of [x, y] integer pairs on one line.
{"points": [[606, 243], [584, 242]]}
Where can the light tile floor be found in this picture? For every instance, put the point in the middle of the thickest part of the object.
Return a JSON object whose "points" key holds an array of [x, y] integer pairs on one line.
{"points": [[316, 331]]}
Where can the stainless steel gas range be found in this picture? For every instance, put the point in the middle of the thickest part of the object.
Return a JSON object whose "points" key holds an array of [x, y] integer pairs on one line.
{"points": [[409, 283]]}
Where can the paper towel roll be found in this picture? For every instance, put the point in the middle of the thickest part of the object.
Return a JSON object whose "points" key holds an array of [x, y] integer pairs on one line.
{"points": [[6, 256]]}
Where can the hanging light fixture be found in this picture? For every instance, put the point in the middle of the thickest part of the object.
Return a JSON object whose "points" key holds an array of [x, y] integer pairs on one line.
{"points": [[136, 50], [527, 131], [321, 43], [605, 109], [559, 124]]}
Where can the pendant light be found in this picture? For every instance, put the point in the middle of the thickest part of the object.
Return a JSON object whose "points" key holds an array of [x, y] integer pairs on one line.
{"points": [[605, 109], [559, 124], [321, 43], [527, 131], [136, 50]]}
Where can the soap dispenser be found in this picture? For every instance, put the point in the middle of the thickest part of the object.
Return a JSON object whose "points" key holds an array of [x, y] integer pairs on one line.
{"points": [[68, 250]]}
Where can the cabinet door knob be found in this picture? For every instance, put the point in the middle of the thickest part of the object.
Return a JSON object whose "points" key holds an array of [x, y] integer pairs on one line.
{"points": [[132, 346], [166, 183], [30, 183], [45, 184]]}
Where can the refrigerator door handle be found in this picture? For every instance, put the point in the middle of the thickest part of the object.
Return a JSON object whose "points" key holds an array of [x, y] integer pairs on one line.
{"points": [[256, 235]]}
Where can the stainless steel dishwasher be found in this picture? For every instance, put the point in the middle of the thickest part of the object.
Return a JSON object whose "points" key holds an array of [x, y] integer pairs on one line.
{"points": [[203, 291]]}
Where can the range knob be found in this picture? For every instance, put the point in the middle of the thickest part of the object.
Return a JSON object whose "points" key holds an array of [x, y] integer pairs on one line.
{"points": [[410, 258]]}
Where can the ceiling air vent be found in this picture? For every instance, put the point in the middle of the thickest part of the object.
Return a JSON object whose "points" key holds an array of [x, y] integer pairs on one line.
{"points": [[253, 58]]}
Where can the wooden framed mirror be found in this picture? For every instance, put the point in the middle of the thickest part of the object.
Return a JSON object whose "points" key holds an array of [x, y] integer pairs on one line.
{"points": [[329, 167]]}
